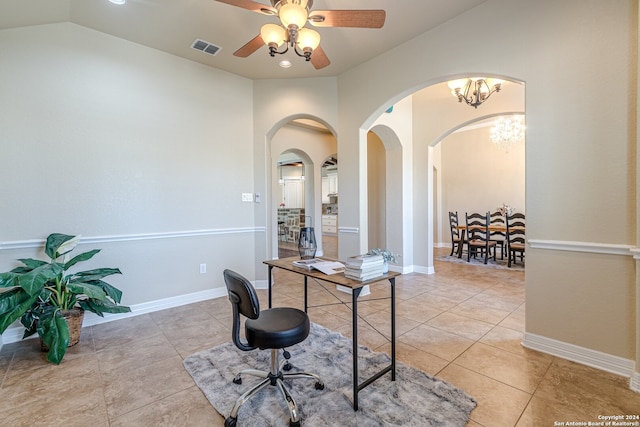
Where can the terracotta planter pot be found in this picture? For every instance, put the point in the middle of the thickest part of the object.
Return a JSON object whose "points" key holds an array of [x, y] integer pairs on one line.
{"points": [[74, 318]]}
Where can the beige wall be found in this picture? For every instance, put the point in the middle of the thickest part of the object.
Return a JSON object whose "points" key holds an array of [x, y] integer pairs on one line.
{"points": [[478, 176], [376, 192], [134, 149], [579, 138]]}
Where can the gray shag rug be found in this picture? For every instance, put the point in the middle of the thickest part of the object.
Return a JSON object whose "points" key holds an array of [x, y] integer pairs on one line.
{"points": [[498, 263], [414, 399]]}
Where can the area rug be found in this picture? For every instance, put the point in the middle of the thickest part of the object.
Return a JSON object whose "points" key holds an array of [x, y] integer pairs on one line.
{"points": [[414, 399], [498, 263]]}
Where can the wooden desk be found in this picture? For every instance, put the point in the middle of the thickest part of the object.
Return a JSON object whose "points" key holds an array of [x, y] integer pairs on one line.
{"points": [[356, 287]]}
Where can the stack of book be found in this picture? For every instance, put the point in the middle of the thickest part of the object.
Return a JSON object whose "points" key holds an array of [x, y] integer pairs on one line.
{"points": [[364, 267]]}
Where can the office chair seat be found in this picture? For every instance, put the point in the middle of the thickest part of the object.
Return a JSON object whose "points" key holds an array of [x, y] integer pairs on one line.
{"points": [[274, 329], [277, 328]]}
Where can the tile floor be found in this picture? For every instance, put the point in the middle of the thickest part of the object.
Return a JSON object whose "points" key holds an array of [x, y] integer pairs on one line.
{"points": [[463, 324]]}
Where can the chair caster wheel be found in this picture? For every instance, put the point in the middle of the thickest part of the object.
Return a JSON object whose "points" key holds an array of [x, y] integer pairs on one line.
{"points": [[287, 366], [237, 380], [286, 354], [319, 386], [294, 423], [230, 422]]}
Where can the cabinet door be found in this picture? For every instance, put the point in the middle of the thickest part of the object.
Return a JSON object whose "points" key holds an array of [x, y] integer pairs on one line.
{"points": [[325, 189], [333, 183], [294, 194]]}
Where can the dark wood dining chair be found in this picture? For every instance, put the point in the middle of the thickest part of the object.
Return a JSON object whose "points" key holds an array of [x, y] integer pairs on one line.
{"points": [[478, 236], [499, 236], [515, 237], [457, 235]]}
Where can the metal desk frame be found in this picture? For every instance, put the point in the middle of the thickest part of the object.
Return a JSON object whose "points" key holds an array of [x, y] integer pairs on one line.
{"points": [[356, 287]]}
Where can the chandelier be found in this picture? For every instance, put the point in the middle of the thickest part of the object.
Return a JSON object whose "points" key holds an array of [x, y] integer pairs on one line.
{"points": [[293, 15], [474, 90], [507, 131]]}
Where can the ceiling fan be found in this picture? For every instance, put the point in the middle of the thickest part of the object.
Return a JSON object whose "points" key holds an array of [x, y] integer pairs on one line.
{"points": [[292, 33]]}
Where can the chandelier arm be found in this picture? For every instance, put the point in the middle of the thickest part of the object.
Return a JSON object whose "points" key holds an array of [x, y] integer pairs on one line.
{"points": [[274, 50]]}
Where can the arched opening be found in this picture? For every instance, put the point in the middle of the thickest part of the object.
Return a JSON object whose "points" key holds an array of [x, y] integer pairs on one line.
{"points": [[432, 115], [299, 147]]}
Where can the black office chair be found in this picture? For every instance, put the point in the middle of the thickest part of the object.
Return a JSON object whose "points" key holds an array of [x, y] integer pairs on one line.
{"points": [[275, 328]]}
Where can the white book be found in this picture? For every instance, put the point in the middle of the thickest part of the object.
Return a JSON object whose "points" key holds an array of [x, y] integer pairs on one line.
{"points": [[326, 267]]}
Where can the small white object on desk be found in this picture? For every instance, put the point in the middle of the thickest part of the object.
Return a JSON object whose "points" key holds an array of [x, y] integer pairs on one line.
{"points": [[326, 267]]}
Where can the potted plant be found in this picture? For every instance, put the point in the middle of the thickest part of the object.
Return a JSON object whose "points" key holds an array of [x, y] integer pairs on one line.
{"points": [[387, 256], [42, 294]]}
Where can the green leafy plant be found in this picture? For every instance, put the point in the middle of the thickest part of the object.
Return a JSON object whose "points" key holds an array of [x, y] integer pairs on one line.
{"points": [[387, 255], [40, 292]]}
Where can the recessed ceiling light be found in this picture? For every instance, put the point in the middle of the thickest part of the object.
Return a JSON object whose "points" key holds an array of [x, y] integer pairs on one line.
{"points": [[118, 1], [285, 63]]}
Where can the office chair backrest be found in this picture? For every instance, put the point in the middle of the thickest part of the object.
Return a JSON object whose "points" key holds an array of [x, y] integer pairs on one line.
{"points": [[244, 300], [242, 294]]}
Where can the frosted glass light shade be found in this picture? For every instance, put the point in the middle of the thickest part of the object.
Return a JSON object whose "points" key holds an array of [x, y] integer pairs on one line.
{"points": [[293, 14], [457, 84], [272, 33], [308, 39]]}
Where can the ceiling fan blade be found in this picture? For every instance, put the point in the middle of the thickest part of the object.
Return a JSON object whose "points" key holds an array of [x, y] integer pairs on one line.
{"points": [[348, 18], [253, 45], [319, 58], [251, 5]]}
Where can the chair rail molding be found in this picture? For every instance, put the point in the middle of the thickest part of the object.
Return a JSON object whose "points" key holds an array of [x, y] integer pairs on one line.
{"points": [[349, 230], [597, 248], [37, 243]]}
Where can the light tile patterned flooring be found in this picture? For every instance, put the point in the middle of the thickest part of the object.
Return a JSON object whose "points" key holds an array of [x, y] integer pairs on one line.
{"points": [[463, 324]]}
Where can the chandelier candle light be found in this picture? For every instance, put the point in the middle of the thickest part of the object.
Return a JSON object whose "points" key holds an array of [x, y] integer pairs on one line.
{"points": [[474, 90]]}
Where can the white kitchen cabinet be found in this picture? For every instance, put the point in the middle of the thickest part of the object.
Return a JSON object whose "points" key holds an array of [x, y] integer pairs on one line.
{"points": [[333, 183], [325, 189], [293, 194], [330, 224]]}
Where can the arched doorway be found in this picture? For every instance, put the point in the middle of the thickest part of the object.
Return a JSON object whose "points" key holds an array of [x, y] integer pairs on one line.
{"points": [[298, 149]]}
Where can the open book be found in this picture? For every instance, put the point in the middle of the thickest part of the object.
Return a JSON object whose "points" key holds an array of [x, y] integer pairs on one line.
{"points": [[326, 267]]}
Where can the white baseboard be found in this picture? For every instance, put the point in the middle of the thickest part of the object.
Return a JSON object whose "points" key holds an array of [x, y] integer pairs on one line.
{"points": [[14, 334], [635, 382], [423, 270], [595, 359]]}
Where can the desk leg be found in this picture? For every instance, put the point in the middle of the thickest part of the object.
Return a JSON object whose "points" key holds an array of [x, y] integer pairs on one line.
{"points": [[393, 328], [354, 299], [269, 285], [306, 294]]}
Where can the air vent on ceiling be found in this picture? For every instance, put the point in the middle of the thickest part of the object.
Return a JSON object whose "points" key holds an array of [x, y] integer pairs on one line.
{"points": [[205, 47]]}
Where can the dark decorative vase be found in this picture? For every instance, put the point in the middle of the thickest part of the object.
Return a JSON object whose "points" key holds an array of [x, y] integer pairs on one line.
{"points": [[307, 243]]}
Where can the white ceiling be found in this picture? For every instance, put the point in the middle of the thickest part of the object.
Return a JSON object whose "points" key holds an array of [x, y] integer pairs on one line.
{"points": [[172, 26]]}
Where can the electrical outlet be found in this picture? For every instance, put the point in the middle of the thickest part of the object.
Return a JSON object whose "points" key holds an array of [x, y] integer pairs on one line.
{"points": [[203, 268], [247, 197]]}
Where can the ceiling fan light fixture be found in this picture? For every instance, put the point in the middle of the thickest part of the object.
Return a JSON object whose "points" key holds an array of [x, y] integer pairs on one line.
{"points": [[291, 14], [273, 35], [308, 39]]}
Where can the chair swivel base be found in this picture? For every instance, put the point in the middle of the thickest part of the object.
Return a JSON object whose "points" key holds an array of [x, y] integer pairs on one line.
{"points": [[273, 378]]}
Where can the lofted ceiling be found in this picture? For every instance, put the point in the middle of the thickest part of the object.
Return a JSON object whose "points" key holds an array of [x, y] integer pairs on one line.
{"points": [[173, 25]]}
